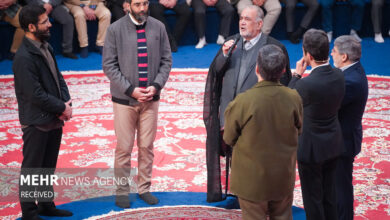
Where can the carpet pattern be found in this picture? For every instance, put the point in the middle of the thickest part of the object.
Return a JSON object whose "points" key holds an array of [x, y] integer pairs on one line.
{"points": [[89, 140], [174, 212]]}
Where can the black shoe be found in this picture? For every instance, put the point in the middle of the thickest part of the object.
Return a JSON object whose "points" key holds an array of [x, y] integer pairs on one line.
{"points": [[149, 198], [173, 44], [122, 201], [55, 212], [297, 35], [11, 56], [70, 55], [99, 49], [49, 209], [84, 52], [35, 217], [293, 39]]}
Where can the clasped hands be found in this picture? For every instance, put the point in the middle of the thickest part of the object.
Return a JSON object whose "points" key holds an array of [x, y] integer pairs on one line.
{"points": [[67, 114], [144, 95], [89, 13]]}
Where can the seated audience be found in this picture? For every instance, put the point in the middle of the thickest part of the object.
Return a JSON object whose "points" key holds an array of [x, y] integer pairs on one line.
{"points": [[89, 10], [9, 12], [183, 12], [262, 124], [356, 18], [272, 8], [226, 11], [58, 11], [295, 36]]}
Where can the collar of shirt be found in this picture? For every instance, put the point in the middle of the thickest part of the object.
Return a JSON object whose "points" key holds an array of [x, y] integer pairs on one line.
{"points": [[38, 44], [346, 67], [249, 44], [135, 21], [325, 64]]}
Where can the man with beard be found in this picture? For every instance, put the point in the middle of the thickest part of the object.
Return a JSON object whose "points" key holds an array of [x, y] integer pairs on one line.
{"points": [[56, 10], [137, 60], [232, 72], [44, 104]]}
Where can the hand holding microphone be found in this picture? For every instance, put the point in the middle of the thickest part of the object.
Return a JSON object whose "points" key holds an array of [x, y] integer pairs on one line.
{"points": [[229, 46]]}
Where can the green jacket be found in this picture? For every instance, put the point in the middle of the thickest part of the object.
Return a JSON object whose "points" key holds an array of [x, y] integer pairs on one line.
{"points": [[263, 124]]}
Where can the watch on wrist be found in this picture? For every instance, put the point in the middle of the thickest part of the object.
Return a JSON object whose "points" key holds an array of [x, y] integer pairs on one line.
{"points": [[297, 75], [82, 5]]}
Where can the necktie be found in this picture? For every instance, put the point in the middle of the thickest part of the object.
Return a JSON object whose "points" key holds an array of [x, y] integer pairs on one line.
{"points": [[247, 45]]}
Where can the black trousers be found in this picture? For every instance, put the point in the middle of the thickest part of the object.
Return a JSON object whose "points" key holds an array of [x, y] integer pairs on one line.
{"points": [[183, 13], [61, 15], [116, 9], [225, 10], [318, 185], [312, 6], [40, 150], [344, 188]]}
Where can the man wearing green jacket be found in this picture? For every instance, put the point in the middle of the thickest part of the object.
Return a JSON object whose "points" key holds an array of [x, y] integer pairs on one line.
{"points": [[263, 124]]}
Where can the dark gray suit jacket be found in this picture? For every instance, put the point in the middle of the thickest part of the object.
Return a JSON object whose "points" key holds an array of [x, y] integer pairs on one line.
{"points": [[322, 93], [230, 67]]}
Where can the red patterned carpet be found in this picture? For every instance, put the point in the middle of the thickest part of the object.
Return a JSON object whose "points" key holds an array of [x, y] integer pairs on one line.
{"points": [[89, 140]]}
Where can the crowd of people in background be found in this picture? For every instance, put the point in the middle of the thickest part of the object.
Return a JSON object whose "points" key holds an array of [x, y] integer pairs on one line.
{"points": [[76, 13]]}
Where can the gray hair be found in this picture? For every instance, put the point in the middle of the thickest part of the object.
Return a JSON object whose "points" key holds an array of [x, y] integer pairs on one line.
{"points": [[347, 44], [259, 12], [271, 62]]}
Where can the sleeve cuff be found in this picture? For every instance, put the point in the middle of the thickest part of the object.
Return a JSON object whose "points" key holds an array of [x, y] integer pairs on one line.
{"points": [[157, 86], [129, 91]]}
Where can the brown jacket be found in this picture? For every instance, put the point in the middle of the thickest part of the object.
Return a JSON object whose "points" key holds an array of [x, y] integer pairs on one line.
{"points": [[263, 124]]}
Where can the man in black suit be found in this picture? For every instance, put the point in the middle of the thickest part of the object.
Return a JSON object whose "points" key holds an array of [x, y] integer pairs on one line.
{"points": [[321, 142], [44, 104], [346, 55], [233, 71]]}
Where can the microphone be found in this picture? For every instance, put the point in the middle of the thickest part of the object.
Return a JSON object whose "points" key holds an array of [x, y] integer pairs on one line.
{"points": [[230, 51]]}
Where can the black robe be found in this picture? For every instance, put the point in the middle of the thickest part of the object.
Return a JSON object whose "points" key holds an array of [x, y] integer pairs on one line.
{"points": [[214, 148]]}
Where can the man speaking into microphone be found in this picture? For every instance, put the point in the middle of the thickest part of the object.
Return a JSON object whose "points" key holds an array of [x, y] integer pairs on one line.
{"points": [[232, 71]]}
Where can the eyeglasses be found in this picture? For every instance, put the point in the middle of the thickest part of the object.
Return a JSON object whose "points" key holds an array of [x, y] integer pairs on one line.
{"points": [[44, 22], [139, 4]]}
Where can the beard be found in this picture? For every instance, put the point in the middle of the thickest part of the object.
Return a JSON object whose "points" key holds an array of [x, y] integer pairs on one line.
{"points": [[140, 17], [247, 34], [42, 35]]}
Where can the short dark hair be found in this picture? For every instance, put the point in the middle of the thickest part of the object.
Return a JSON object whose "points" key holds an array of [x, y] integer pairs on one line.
{"points": [[316, 43], [271, 62], [128, 1], [30, 15]]}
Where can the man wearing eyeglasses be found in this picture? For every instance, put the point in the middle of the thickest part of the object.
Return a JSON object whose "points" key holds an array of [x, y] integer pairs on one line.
{"points": [[44, 104], [137, 60]]}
